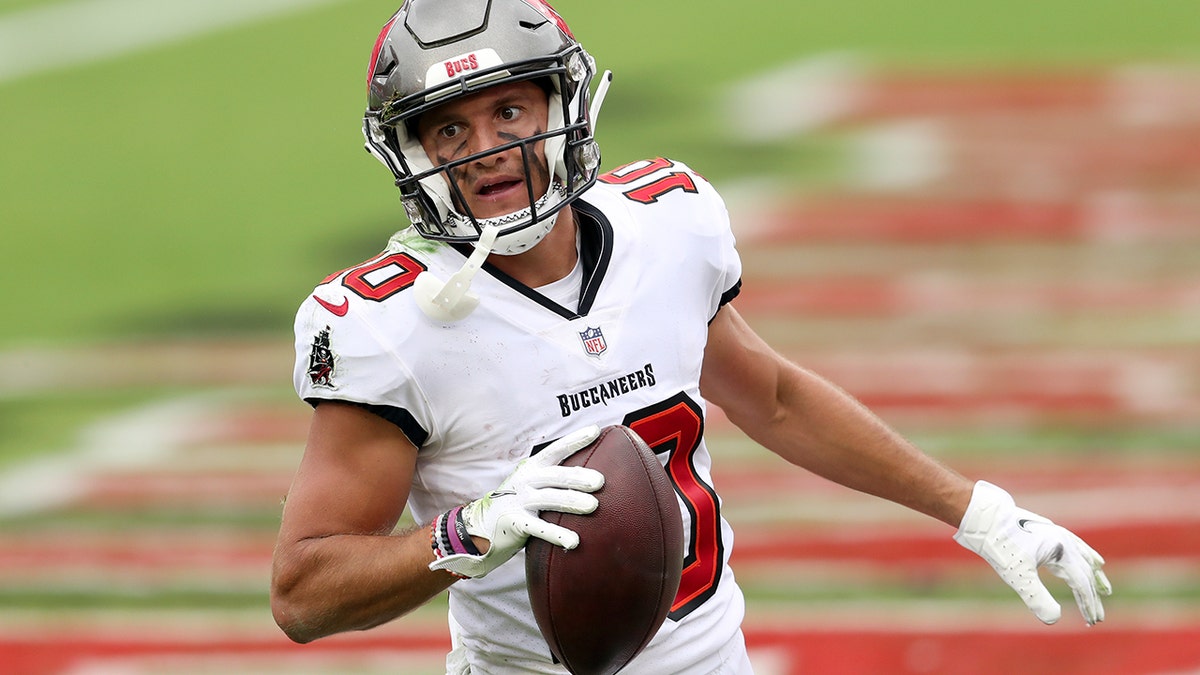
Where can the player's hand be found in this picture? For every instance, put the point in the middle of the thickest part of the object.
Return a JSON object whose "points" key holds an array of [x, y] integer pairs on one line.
{"points": [[508, 516], [1017, 542]]}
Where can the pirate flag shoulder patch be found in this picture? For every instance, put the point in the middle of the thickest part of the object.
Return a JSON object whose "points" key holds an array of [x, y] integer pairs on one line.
{"points": [[321, 361]]}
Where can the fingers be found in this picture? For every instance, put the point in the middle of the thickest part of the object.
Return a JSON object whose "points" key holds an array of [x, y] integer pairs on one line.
{"points": [[566, 501], [1016, 542], [1042, 604], [1102, 582], [1089, 603], [568, 477], [1096, 561], [555, 534], [566, 446], [1080, 579], [1035, 595], [1080, 568]]}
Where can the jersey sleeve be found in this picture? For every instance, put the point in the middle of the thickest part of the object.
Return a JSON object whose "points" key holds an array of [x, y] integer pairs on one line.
{"points": [[340, 358], [718, 246], [671, 198], [727, 263]]}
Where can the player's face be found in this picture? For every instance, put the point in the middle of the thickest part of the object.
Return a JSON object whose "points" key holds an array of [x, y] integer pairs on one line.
{"points": [[495, 184]]}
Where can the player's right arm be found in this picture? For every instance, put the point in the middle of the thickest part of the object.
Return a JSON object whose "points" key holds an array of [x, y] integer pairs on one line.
{"points": [[339, 567], [337, 564]]}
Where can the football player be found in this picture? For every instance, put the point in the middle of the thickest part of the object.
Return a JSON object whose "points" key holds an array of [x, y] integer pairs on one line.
{"points": [[531, 302]]}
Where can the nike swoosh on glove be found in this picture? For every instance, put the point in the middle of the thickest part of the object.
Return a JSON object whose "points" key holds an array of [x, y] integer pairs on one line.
{"points": [[508, 515], [1016, 542]]}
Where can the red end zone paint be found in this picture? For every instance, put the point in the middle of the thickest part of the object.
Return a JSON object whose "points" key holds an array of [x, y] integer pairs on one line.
{"points": [[870, 218], [900, 94], [52, 655], [874, 544], [899, 295], [1049, 651]]}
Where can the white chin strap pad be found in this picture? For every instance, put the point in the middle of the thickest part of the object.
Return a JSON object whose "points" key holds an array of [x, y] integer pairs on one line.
{"points": [[452, 301]]}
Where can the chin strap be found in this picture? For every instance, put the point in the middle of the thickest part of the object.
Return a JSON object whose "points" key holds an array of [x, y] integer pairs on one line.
{"points": [[452, 301]]}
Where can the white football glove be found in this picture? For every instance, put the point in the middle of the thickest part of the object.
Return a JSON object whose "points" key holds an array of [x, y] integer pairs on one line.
{"points": [[1016, 542], [508, 515]]}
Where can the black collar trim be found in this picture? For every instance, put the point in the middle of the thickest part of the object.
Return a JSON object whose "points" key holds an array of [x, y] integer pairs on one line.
{"points": [[595, 254]]}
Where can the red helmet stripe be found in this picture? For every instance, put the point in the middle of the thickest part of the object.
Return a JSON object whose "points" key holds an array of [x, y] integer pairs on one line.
{"points": [[387, 28], [548, 12]]}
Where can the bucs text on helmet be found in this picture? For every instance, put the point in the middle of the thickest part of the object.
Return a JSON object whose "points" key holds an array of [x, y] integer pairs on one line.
{"points": [[435, 51]]}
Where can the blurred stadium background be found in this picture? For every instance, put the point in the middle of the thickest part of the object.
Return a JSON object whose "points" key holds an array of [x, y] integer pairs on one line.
{"points": [[982, 219]]}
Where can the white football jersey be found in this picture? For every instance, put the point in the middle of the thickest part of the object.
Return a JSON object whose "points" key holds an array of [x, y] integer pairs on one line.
{"points": [[478, 395]]}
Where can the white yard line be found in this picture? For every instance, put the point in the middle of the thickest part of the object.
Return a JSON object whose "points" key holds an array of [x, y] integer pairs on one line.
{"points": [[141, 438], [75, 32], [795, 98]]}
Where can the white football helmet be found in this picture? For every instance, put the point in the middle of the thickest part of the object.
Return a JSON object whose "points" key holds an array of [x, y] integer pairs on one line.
{"points": [[435, 51]]}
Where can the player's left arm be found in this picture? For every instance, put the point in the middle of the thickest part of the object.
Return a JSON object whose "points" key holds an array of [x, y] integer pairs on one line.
{"points": [[812, 423]]}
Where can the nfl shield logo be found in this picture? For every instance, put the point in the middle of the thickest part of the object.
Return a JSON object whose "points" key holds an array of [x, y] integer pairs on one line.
{"points": [[593, 341]]}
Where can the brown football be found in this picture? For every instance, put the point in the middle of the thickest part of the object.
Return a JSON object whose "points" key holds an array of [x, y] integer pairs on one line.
{"points": [[600, 603]]}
